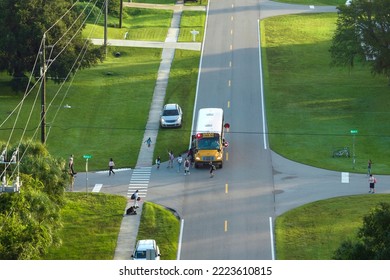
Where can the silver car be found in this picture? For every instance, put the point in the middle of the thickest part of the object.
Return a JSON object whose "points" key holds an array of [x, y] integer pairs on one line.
{"points": [[171, 116], [146, 249]]}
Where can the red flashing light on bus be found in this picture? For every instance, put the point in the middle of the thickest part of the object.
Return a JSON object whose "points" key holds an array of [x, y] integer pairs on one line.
{"points": [[199, 135]]}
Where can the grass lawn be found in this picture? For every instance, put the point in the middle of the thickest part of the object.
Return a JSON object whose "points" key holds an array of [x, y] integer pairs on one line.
{"points": [[91, 227], [311, 107], [181, 89], [314, 2], [109, 108], [192, 20], [315, 230], [92, 222], [162, 225], [141, 24], [165, 2], [110, 102]]}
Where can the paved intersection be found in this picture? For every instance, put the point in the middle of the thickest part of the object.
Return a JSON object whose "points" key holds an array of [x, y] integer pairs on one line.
{"points": [[294, 184]]}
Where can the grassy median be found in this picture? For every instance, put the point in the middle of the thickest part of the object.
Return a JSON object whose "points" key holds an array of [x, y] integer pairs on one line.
{"points": [[312, 107]]}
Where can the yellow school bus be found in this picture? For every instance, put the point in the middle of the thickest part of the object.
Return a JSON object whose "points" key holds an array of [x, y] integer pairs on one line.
{"points": [[208, 141]]}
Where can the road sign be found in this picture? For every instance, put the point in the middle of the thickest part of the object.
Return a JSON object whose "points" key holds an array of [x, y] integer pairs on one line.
{"points": [[87, 156], [194, 33], [354, 131]]}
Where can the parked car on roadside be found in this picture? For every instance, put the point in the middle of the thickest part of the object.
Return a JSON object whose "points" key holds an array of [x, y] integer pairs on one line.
{"points": [[146, 249], [171, 116]]}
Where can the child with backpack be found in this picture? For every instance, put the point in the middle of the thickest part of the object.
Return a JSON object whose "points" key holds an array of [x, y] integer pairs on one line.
{"points": [[212, 168]]}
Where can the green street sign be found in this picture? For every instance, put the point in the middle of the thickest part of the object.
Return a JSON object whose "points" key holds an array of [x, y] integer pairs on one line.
{"points": [[354, 131], [87, 156]]}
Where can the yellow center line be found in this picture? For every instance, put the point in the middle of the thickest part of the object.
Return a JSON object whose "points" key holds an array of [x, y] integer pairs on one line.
{"points": [[226, 225], [228, 105], [227, 156], [226, 188]]}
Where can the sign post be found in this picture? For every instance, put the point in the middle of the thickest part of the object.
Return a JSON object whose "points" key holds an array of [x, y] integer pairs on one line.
{"points": [[194, 33], [353, 132], [87, 157]]}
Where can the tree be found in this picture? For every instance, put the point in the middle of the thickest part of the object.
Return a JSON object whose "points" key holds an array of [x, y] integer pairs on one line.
{"points": [[113, 5], [30, 219], [373, 238], [29, 222], [51, 171], [363, 34], [23, 25]]}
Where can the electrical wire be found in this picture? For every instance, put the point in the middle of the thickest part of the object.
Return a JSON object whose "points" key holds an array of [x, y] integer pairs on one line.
{"points": [[83, 51], [39, 81]]}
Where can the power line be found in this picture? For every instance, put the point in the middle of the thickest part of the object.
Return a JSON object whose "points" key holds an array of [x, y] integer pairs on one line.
{"points": [[44, 70]]}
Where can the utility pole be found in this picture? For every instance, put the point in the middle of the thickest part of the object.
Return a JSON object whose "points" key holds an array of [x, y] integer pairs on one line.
{"points": [[43, 90], [120, 14], [105, 26]]}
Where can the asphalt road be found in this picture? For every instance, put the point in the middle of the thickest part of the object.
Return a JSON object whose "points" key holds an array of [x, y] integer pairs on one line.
{"points": [[229, 217]]}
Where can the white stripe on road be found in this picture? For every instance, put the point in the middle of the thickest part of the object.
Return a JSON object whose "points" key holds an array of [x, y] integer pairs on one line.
{"points": [[345, 177], [139, 181], [272, 238], [97, 187], [180, 239], [262, 89]]}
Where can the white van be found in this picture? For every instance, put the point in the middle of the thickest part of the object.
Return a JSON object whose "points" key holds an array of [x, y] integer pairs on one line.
{"points": [[146, 250]]}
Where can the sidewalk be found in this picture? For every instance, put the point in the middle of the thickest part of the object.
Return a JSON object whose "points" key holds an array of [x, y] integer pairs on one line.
{"points": [[150, 44], [171, 41], [129, 227]]}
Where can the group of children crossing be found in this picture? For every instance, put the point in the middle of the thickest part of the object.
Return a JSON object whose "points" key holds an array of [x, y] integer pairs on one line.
{"points": [[188, 162]]}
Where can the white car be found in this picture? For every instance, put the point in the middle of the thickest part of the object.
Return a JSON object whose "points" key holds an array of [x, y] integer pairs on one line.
{"points": [[146, 249], [171, 116]]}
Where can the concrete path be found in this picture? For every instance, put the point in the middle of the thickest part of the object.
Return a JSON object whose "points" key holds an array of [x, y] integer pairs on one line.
{"points": [[150, 44], [129, 227]]}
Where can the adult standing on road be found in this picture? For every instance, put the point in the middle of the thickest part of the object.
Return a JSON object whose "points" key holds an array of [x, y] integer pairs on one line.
{"points": [[111, 165], [179, 163], [171, 158], [187, 166], [190, 155], [372, 181]]}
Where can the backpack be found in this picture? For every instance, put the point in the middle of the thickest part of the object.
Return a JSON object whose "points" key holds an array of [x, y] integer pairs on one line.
{"points": [[131, 211], [132, 196], [186, 164]]}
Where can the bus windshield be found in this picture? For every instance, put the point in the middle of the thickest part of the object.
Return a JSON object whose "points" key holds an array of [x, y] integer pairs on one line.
{"points": [[208, 144]]}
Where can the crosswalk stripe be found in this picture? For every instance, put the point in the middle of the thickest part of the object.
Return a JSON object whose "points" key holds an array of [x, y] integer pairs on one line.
{"points": [[139, 180], [97, 187]]}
